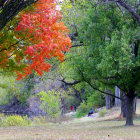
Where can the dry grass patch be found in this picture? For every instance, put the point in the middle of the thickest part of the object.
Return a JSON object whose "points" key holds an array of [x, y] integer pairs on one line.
{"points": [[73, 131]]}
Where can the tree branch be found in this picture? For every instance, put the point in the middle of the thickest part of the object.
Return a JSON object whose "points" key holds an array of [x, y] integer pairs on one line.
{"points": [[11, 9], [69, 84], [10, 46], [128, 8], [95, 88], [79, 45]]}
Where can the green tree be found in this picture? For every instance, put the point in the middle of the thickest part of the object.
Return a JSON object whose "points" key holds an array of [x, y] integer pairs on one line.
{"points": [[110, 53], [7, 88]]}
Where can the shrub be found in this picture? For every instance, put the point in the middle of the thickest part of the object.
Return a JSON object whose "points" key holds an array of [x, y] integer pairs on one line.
{"points": [[40, 120], [82, 110], [95, 100], [79, 115], [102, 113], [15, 120], [50, 103]]}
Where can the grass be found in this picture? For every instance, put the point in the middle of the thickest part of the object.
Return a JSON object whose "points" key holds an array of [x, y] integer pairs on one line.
{"points": [[102, 128], [113, 130], [74, 130]]}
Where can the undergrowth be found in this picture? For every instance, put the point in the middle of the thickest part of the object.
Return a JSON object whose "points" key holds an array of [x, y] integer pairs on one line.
{"points": [[14, 120]]}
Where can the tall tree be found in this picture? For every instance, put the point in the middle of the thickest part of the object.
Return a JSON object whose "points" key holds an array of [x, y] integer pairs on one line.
{"points": [[109, 32]]}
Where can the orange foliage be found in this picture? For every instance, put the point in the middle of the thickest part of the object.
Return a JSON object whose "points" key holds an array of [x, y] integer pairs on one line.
{"points": [[47, 35]]}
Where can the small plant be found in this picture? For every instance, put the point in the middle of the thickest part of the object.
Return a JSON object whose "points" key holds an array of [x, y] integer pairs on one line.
{"points": [[79, 115], [82, 110], [15, 120], [40, 120], [102, 113], [95, 100]]}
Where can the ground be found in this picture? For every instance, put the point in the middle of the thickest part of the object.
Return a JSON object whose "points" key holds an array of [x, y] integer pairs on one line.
{"points": [[112, 130], [86, 128]]}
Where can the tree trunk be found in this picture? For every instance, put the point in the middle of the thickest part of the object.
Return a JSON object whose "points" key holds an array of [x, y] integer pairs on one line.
{"points": [[134, 106], [129, 111], [124, 105], [130, 98], [108, 99], [117, 93]]}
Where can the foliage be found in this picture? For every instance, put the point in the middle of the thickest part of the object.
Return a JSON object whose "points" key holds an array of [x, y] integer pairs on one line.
{"points": [[109, 48], [109, 43], [48, 36], [26, 89], [71, 101], [82, 110], [8, 88], [95, 100], [40, 120], [11, 89], [50, 103], [15, 120], [107, 36], [35, 40], [22, 97]]}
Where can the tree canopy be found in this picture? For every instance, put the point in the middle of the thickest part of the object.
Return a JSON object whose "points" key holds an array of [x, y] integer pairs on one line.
{"points": [[38, 35], [109, 54]]}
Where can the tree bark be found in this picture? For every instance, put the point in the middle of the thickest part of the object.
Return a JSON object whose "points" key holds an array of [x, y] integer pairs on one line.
{"points": [[129, 111], [108, 99], [11, 9], [134, 106], [130, 98], [128, 107], [129, 8], [117, 93], [123, 104]]}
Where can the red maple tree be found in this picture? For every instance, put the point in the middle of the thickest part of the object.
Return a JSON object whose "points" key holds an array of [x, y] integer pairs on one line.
{"points": [[46, 35]]}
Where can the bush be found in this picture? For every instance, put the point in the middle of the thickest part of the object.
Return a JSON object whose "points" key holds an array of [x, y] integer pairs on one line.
{"points": [[82, 110], [79, 115], [102, 113], [50, 103], [15, 120], [40, 120], [95, 100]]}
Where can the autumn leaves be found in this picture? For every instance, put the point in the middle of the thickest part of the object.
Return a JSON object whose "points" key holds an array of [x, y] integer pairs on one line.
{"points": [[47, 36]]}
